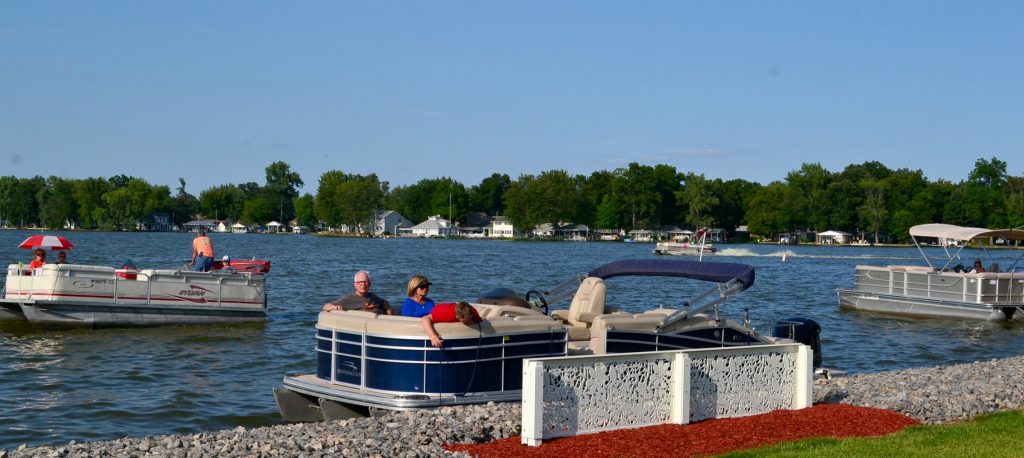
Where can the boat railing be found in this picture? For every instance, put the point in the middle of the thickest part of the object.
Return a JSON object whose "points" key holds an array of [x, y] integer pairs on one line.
{"points": [[392, 354], [992, 288], [126, 286]]}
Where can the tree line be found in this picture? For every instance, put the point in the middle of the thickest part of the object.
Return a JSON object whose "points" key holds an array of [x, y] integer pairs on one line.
{"points": [[867, 199]]}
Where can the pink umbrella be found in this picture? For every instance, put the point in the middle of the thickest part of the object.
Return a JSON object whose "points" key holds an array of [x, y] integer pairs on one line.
{"points": [[46, 242]]}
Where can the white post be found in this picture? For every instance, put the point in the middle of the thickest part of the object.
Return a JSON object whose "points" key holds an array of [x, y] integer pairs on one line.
{"points": [[533, 403], [804, 374], [680, 388]]}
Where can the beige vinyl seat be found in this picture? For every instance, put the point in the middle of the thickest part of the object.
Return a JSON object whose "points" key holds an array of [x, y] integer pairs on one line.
{"points": [[587, 304]]}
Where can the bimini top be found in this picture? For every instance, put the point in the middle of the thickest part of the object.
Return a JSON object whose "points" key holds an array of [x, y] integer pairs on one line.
{"points": [[949, 231], [719, 272]]}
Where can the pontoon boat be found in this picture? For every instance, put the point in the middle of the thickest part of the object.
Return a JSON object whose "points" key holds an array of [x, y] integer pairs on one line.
{"points": [[941, 291], [63, 296], [699, 248], [368, 363]]}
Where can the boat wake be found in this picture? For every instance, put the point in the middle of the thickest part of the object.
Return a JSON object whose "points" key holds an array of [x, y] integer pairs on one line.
{"points": [[788, 254]]}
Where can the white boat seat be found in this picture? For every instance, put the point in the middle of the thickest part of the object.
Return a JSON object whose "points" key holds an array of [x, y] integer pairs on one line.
{"points": [[587, 304]]}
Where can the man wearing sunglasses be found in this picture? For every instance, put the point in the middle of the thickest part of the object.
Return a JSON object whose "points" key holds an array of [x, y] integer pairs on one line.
{"points": [[361, 298]]}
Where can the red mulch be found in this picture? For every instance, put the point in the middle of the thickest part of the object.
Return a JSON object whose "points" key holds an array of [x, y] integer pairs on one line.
{"points": [[709, 437]]}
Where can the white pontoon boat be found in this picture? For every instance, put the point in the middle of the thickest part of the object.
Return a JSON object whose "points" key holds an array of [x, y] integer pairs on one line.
{"points": [[367, 363], [941, 291], [63, 296], [698, 248]]}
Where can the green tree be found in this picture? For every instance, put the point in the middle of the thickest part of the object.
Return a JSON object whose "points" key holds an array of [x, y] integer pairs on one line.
{"points": [[327, 208], [766, 214], [224, 201], [281, 190], [733, 199], [305, 212], [550, 197], [873, 211], [358, 199], [350, 199], [597, 204], [489, 195], [23, 201], [1015, 201], [989, 174], [184, 205], [806, 199], [88, 194], [56, 203], [635, 189], [700, 199], [257, 211]]}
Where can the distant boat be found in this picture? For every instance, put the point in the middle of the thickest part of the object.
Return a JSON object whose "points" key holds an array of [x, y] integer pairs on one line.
{"points": [[699, 248], [628, 240]]}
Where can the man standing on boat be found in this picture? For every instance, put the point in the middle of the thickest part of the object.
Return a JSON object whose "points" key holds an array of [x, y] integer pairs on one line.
{"points": [[202, 252], [361, 298]]}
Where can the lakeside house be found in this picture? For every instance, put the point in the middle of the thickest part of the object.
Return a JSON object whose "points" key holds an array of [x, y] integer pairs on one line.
{"points": [[239, 228], [832, 238], [389, 222], [435, 226], [205, 224], [500, 228]]}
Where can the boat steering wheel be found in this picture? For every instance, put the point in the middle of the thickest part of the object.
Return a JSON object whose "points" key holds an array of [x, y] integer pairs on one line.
{"points": [[543, 302]]}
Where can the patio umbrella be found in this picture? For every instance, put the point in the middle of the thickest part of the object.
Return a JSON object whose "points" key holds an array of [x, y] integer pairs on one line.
{"points": [[46, 242]]}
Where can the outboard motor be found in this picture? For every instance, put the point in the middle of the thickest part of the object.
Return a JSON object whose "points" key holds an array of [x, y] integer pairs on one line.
{"points": [[502, 296], [803, 330]]}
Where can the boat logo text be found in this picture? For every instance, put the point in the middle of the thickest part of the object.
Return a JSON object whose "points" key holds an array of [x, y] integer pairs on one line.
{"points": [[195, 294]]}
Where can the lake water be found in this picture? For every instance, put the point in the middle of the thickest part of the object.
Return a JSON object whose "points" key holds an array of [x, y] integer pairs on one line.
{"points": [[95, 385]]}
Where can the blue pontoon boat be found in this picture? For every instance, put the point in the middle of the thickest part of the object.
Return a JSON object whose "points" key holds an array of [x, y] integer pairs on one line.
{"points": [[368, 363]]}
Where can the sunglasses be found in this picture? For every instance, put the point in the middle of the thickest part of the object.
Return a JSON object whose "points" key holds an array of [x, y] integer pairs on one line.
{"points": [[424, 287]]}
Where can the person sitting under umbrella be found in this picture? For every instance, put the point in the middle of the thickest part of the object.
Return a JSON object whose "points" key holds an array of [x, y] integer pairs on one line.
{"points": [[62, 257], [40, 259]]}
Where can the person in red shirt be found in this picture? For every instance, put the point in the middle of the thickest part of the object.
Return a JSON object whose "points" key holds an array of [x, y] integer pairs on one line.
{"points": [[448, 313], [40, 259]]}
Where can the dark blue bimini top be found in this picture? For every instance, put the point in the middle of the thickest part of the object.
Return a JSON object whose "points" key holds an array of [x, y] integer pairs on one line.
{"points": [[719, 272]]}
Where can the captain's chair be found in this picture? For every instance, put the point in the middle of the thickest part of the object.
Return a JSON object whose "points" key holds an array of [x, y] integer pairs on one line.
{"points": [[586, 305]]}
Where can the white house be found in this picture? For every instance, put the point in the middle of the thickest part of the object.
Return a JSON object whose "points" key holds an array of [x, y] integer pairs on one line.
{"points": [[501, 228], [274, 226], [389, 221], [832, 237], [435, 226], [223, 226], [239, 228]]}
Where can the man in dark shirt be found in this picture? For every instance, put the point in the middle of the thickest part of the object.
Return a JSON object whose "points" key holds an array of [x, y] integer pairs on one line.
{"points": [[361, 298]]}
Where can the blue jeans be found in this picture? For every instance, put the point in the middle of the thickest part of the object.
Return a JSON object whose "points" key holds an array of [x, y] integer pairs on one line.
{"points": [[203, 264]]}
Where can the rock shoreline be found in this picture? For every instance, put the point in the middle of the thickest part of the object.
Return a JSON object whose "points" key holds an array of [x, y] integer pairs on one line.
{"points": [[932, 395]]}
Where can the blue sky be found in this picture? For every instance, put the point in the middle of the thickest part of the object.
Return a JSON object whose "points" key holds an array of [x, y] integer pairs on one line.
{"points": [[215, 91]]}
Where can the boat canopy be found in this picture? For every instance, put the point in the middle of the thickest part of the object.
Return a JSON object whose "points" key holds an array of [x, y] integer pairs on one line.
{"points": [[949, 231], [719, 272]]}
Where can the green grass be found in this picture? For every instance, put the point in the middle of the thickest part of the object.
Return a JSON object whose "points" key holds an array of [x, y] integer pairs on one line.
{"points": [[994, 435]]}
